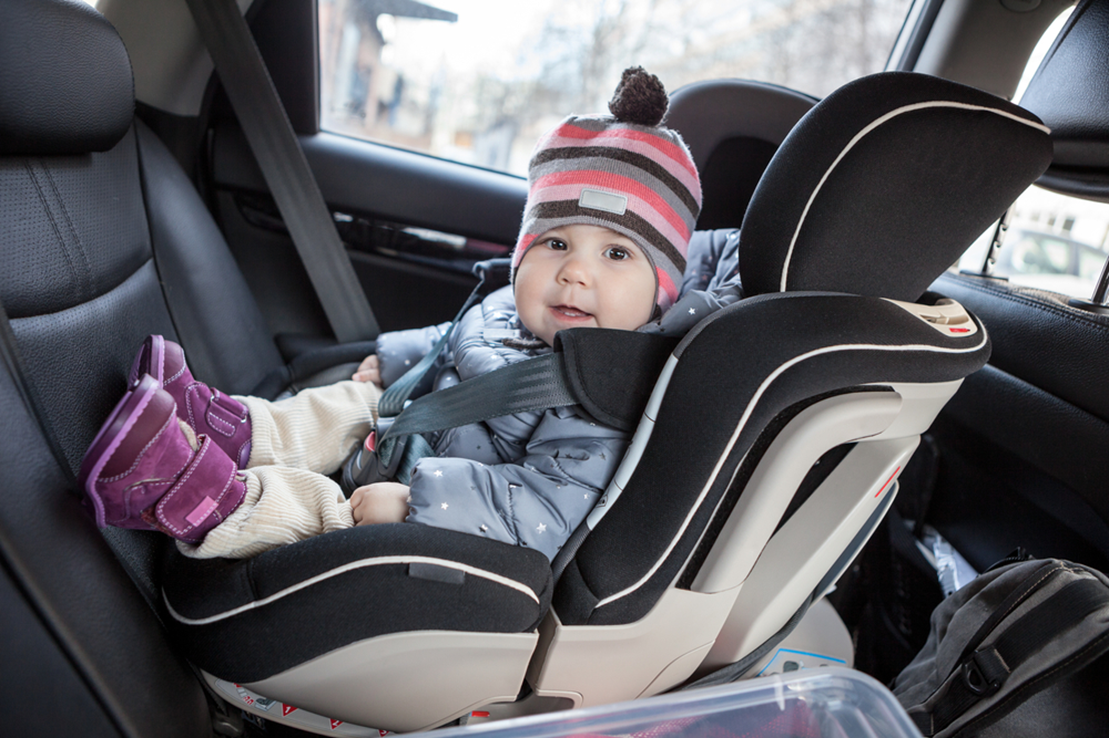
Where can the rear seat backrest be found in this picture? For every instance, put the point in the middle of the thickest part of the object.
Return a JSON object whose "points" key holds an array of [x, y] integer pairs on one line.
{"points": [[110, 241], [80, 286], [733, 127]]}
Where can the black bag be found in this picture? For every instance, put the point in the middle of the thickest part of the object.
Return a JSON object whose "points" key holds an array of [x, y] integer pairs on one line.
{"points": [[1015, 652]]}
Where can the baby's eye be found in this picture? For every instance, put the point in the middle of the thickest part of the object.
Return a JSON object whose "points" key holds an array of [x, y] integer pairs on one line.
{"points": [[556, 244], [617, 253]]}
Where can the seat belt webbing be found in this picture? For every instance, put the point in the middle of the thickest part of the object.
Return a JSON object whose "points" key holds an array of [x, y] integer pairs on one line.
{"points": [[285, 168], [392, 401], [534, 384]]}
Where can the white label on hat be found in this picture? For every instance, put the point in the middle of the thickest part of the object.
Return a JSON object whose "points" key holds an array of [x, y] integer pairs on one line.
{"points": [[597, 200]]}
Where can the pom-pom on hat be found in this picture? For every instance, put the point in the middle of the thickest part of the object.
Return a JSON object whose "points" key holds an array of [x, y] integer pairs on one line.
{"points": [[623, 171]]}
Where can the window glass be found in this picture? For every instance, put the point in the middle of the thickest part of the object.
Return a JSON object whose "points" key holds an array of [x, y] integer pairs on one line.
{"points": [[478, 81], [1054, 242], [1090, 263]]}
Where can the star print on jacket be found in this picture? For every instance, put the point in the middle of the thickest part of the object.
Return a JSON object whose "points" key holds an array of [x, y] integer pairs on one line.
{"points": [[564, 465]]}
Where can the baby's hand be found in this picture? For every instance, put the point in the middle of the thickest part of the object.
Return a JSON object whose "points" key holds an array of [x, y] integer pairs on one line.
{"points": [[369, 371], [381, 502]]}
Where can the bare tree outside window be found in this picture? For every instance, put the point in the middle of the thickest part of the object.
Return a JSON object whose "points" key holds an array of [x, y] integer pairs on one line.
{"points": [[478, 81]]}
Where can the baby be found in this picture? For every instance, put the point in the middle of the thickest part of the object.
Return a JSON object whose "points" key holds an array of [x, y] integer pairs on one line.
{"points": [[611, 206]]}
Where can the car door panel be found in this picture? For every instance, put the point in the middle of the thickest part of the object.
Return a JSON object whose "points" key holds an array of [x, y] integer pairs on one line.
{"points": [[1022, 457], [378, 195]]}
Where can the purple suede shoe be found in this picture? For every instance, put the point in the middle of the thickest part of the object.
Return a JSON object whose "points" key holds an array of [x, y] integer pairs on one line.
{"points": [[208, 411], [140, 471]]}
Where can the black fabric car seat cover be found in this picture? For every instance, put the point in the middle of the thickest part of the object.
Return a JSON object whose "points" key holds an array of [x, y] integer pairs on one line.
{"points": [[884, 184], [324, 593], [876, 191], [738, 382]]}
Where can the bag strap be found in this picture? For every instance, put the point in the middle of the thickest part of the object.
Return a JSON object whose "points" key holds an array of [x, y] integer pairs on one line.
{"points": [[285, 168], [985, 671]]}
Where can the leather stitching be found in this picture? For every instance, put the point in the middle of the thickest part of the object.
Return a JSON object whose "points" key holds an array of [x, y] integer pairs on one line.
{"points": [[1074, 315]]}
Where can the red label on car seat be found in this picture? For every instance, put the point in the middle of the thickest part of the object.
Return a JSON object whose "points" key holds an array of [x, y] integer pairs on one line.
{"points": [[335, 723], [286, 709]]}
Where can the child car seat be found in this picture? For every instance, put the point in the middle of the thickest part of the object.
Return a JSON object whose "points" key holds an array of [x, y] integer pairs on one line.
{"points": [[402, 626], [703, 547], [876, 191]]}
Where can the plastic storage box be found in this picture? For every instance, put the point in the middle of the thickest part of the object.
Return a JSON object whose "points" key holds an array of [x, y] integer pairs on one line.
{"points": [[827, 703]]}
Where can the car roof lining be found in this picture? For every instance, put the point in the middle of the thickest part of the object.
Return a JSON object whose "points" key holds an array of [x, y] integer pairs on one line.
{"points": [[170, 63], [172, 68], [983, 44]]}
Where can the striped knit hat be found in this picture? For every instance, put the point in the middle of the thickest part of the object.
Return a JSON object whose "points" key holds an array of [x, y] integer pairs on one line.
{"points": [[622, 171]]}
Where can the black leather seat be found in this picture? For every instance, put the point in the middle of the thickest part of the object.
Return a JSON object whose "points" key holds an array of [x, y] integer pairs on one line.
{"points": [[111, 243]]}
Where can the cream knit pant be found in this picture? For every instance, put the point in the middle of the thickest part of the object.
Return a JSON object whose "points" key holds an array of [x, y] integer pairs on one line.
{"points": [[294, 444]]}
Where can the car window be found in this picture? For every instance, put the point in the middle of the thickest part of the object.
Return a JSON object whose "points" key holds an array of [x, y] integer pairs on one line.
{"points": [[477, 81], [1090, 263], [1040, 254]]}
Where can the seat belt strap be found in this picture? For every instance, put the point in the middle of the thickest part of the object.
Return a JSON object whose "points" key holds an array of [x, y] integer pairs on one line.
{"points": [[285, 168], [540, 383], [535, 384], [490, 274]]}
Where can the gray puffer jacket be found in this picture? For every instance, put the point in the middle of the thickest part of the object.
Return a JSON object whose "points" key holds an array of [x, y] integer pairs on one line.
{"points": [[527, 479]]}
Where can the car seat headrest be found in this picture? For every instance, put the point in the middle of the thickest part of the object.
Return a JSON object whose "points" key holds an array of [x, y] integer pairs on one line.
{"points": [[732, 128], [884, 184], [65, 79], [1069, 92]]}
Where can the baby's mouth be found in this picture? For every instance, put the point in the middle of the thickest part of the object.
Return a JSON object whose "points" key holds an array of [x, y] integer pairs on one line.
{"points": [[570, 311]]}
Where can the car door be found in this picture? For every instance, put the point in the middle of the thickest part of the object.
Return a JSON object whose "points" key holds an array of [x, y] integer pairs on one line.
{"points": [[413, 225]]}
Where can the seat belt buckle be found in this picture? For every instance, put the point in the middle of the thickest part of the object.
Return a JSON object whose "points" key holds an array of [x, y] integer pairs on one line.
{"points": [[365, 465], [381, 427]]}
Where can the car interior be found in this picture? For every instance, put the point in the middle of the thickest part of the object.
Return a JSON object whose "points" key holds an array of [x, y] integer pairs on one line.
{"points": [[798, 458]]}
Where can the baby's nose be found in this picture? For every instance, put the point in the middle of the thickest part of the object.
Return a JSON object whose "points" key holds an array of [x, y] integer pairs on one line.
{"points": [[575, 270]]}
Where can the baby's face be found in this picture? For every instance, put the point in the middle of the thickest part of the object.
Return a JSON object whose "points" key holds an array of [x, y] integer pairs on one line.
{"points": [[584, 276]]}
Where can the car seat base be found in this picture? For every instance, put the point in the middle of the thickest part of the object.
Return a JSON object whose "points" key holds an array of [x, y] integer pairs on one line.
{"points": [[369, 683]]}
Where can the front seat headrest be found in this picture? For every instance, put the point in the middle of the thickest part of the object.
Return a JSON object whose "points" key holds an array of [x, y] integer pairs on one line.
{"points": [[1070, 91], [884, 184], [65, 80]]}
